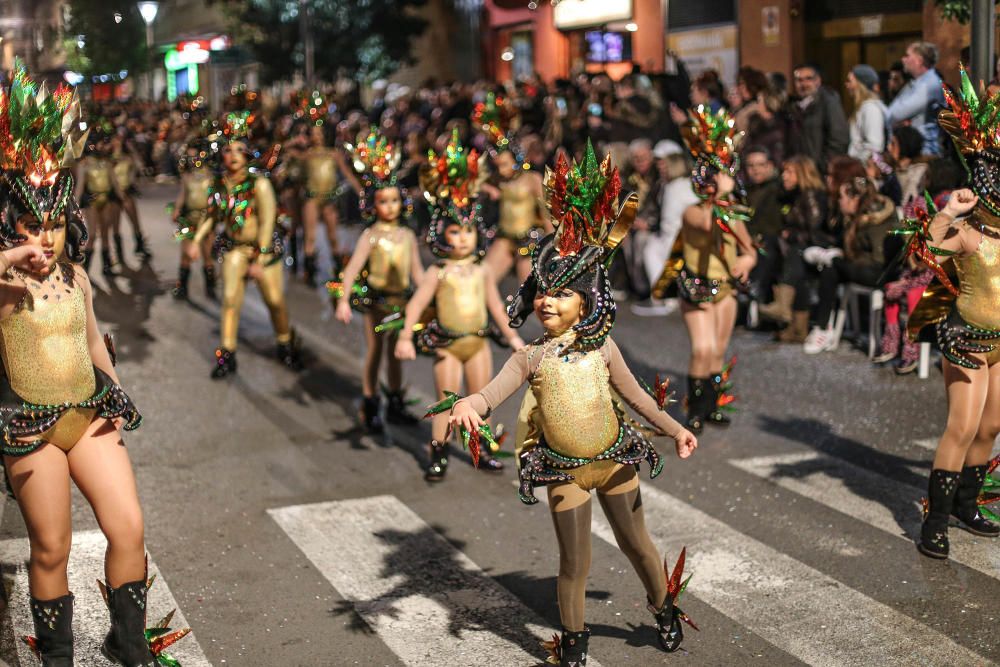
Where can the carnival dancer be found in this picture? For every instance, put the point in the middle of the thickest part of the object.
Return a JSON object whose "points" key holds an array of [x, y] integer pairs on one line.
{"points": [[577, 437], [61, 405], [522, 221], [322, 166], [387, 259], [964, 319], [463, 292], [97, 191], [718, 256], [190, 211], [249, 246], [125, 174]]}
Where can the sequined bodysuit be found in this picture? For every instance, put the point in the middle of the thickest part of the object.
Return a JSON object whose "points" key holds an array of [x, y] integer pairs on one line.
{"points": [[321, 173], [460, 303], [705, 276], [519, 220], [389, 262]]}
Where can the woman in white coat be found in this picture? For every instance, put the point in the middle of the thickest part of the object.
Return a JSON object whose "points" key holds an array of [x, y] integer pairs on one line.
{"points": [[867, 125]]}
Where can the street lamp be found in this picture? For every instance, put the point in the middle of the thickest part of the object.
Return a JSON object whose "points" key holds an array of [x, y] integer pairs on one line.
{"points": [[148, 9]]}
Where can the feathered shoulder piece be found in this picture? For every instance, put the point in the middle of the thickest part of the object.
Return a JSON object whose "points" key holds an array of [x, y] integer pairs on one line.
{"points": [[39, 131], [375, 159], [713, 137], [454, 176], [582, 200], [495, 117], [971, 118]]}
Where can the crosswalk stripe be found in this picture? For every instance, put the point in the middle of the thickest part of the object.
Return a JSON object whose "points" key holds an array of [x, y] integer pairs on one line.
{"points": [[892, 507], [90, 614], [796, 608], [426, 600]]}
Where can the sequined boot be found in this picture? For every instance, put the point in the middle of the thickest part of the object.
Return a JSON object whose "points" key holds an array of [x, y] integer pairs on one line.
{"points": [[288, 353], [180, 290], [395, 409], [699, 403], [572, 648], [940, 497], [210, 281], [438, 465], [966, 505], [371, 420], [53, 640], [668, 625], [717, 416], [107, 266], [119, 248], [309, 270], [225, 363], [126, 641], [141, 249], [487, 461]]}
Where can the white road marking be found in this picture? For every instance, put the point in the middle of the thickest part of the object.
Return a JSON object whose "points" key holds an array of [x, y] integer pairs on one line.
{"points": [[426, 600], [90, 614], [888, 505], [796, 608]]}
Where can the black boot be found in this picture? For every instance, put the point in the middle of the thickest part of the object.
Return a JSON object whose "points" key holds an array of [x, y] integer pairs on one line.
{"points": [[668, 625], [107, 266], [141, 250], [717, 416], [288, 353], [572, 648], [487, 461], [438, 465], [209, 272], [225, 364], [119, 249], [53, 640], [126, 641], [371, 420], [395, 409], [309, 270], [292, 254], [699, 403], [966, 505], [940, 497], [180, 290]]}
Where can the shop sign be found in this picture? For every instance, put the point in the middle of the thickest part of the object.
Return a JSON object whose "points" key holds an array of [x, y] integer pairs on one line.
{"points": [[707, 48], [570, 14]]}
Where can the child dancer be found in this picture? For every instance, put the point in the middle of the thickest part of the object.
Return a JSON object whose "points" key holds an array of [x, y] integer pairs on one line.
{"points": [[387, 253], [463, 290], [579, 438], [189, 212]]}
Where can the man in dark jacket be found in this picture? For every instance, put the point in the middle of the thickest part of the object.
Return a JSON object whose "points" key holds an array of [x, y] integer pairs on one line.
{"points": [[763, 188], [818, 126]]}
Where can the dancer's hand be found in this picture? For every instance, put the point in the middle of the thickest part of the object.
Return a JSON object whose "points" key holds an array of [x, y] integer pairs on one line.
{"points": [[686, 443], [743, 266], [516, 343], [344, 313], [405, 350], [463, 415], [961, 202], [27, 257]]}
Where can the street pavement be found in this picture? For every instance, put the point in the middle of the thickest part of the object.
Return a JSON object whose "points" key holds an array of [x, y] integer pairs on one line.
{"points": [[284, 536]]}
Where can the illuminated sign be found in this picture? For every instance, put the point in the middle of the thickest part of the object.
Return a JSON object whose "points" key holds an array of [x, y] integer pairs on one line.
{"points": [[570, 14]]}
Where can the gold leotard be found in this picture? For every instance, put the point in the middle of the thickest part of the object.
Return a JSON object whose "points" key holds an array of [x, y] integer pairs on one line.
{"points": [[979, 285], [196, 187], [46, 355], [123, 170], [460, 301], [321, 173], [98, 181], [702, 257], [390, 258], [518, 210]]}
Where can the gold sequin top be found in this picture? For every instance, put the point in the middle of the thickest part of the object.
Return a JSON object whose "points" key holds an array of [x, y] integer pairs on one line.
{"points": [[196, 186], [124, 170], [321, 172], [461, 296], [518, 209], [390, 258], [979, 285], [44, 343], [98, 176], [703, 256], [575, 411]]}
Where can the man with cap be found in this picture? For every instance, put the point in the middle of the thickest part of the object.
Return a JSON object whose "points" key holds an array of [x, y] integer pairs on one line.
{"points": [[867, 124]]}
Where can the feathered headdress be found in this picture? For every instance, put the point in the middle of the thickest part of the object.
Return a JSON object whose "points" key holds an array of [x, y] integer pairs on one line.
{"points": [[495, 117], [375, 159], [236, 125], [40, 138], [310, 106], [714, 143], [591, 219], [450, 183]]}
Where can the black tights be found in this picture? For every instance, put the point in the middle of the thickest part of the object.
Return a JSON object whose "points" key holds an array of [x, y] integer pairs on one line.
{"points": [[624, 513]]}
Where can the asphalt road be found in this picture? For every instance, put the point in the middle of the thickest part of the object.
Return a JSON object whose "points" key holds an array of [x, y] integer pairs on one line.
{"points": [[286, 537]]}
